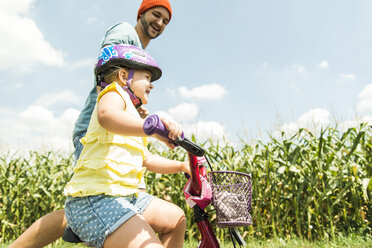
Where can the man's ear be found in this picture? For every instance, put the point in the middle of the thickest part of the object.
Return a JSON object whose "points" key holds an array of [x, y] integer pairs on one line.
{"points": [[123, 76]]}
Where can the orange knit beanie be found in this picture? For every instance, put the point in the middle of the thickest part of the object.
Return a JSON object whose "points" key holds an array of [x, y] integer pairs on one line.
{"points": [[148, 4]]}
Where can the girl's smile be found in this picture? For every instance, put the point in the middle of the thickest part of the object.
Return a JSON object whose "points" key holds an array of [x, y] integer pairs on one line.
{"points": [[141, 85]]}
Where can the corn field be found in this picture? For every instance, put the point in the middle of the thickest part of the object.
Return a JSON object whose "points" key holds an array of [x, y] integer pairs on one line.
{"points": [[308, 186]]}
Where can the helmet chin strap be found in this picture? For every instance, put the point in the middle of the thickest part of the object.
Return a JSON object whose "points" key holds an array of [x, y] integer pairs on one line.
{"points": [[135, 100]]}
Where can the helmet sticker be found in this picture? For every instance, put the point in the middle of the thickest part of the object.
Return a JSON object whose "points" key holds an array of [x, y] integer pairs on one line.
{"points": [[107, 53], [138, 53], [128, 55]]}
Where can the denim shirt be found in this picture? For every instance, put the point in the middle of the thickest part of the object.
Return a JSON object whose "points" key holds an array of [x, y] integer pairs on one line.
{"points": [[121, 33]]}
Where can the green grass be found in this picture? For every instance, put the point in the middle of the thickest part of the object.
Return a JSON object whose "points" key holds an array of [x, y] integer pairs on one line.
{"points": [[338, 242]]}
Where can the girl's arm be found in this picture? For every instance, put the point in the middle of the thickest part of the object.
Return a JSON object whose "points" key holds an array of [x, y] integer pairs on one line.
{"points": [[162, 165], [113, 117]]}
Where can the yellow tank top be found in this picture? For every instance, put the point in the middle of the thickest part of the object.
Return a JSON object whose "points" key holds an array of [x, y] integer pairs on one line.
{"points": [[109, 164]]}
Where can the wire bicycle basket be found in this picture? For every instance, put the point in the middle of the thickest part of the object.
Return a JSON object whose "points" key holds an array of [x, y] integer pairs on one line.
{"points": [[232, 198]]}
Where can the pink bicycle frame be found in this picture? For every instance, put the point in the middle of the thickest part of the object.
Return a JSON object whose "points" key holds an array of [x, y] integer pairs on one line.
{"points": [[208, 238]]}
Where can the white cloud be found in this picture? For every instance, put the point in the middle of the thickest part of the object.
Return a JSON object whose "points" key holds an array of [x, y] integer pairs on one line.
{"points": [[165, 115], [42, 121], [16, 86], [365, 105], [323, 64], [295, 69], [88, 62], [204, 130], [37, 117], [347, 77], [354, 123], [171, 92], [91, 20], [37, 127], [318, 118], [94, 21], [24, 45], [20, 6], [365, 100], [184, 112], [208, 91], [312, 120], [63, 97], [262, 68], [264, 65], [289, 128], [366, 92]]}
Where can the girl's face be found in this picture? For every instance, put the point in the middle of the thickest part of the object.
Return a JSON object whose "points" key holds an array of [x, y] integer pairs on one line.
{"points": [[141, 85]]}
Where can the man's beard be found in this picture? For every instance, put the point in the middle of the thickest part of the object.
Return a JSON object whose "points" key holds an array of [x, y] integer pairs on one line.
{"points": [[146, 27]]}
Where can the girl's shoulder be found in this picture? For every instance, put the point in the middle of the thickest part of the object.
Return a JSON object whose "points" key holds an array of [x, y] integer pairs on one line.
{"points": [[115, 87]]}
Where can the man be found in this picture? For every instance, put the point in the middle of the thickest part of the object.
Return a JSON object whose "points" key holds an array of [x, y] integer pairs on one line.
{"points": [[152, 18]]}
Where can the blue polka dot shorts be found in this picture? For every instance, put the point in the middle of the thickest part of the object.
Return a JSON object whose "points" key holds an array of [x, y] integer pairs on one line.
{"points": [[93, 218]]}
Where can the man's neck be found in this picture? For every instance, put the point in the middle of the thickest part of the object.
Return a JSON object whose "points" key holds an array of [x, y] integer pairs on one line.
{"points": [[142, 36]]}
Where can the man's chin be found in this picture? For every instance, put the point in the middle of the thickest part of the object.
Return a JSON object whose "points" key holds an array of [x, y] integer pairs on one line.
{"points": [[154, 36]]}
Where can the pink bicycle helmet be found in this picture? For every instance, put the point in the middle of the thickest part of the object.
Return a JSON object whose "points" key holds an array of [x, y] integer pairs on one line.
{"points": [[128, 56]]}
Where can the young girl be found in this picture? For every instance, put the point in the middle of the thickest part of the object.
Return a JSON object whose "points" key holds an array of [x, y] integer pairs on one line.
{"points": [[105, 206]]}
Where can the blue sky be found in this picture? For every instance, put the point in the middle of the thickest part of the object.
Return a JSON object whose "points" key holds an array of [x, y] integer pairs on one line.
{"points": [[238, 69]]}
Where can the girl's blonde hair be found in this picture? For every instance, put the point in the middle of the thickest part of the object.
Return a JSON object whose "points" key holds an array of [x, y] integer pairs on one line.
{"points": [[111, 74]]}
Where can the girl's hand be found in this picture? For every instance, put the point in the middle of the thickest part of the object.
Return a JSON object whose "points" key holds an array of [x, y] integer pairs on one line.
{"points": [[174, 129], [185, 167], [165, 140]]}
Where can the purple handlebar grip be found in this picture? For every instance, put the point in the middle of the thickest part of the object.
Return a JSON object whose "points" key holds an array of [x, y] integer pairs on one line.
{"points": [[153, 125]]}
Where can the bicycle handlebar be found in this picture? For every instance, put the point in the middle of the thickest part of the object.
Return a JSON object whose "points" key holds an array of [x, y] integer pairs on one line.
{"points": [[153, 125]]}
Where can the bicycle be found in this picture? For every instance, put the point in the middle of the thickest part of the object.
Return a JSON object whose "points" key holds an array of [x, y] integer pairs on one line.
{"points": [[230, 192]]}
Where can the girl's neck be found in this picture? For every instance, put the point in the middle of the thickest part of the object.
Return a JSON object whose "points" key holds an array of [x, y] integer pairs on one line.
{"points": [[120, 83]]}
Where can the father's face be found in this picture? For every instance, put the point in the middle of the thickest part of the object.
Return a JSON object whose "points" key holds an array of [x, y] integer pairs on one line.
{"points": [[154, 21]]}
